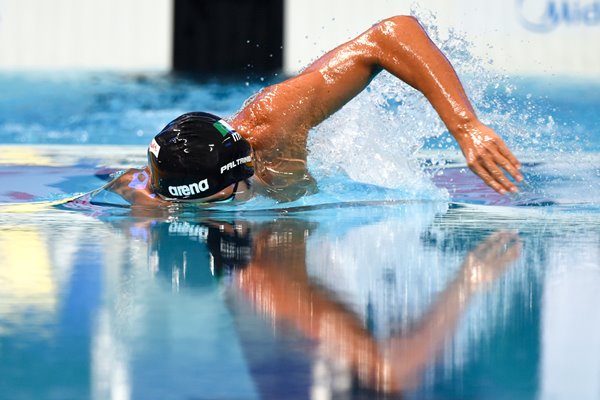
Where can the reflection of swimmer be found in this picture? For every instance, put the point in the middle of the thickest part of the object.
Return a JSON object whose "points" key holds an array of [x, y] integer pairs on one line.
{"points": [[265, 264], [177, 247], [279, 286], [200, 157]]}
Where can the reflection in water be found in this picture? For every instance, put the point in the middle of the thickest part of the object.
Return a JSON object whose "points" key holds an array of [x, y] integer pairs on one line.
{"points": [[26, 281], [571, 323], [417, 298], [344, 284], [278, 285], [49, 294]]}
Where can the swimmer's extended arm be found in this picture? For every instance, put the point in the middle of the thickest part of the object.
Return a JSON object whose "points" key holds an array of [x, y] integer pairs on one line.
{"points": [[133, 186], [284, 113], [404, 49]]}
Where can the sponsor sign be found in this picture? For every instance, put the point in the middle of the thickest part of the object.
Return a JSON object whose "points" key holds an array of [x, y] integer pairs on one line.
{"points": [[544, 16]]}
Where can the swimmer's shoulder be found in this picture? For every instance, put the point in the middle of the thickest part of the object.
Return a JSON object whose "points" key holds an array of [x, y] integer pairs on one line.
{"points": [[279, 155]]}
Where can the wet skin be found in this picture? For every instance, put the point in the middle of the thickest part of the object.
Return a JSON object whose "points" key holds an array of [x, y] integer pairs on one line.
{"points": [[276, 122]]}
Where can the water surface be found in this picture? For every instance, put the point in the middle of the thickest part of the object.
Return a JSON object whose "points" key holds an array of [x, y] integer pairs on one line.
{"points": [[404, 275]]}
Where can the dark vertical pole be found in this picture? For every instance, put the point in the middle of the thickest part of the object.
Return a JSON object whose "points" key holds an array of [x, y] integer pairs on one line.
{"points": [[228, 36]]}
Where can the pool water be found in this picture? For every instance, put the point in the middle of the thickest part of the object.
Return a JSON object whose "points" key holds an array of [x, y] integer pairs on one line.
{"points": [[403, 277]]}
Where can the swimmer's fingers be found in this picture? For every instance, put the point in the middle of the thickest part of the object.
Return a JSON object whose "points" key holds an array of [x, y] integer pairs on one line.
{"points": [[504, 151], [477, 166], [508, 166], [507, 160], [486, 154], [486, 164], [490, 164]]}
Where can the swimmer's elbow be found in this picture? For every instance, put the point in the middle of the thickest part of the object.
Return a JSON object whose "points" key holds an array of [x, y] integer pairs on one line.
{"points": [[402, 21], [397, 27], [396, 40]]}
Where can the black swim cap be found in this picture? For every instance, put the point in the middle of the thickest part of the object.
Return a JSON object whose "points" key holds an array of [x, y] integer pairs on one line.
{"points": [[197, 155]]}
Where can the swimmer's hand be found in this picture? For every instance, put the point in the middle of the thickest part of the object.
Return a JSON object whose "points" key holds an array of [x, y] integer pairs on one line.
{"points": [[486, 153]]}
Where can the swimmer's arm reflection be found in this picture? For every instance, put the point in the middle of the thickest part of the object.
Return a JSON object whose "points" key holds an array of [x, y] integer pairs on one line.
{"points": [[278, 119], [482, 266], [283, 288]]}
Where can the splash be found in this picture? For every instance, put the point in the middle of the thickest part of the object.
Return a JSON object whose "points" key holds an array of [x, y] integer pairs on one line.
{"points": [[385, 134]]}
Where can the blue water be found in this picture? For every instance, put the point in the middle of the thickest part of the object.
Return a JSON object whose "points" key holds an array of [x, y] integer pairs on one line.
{"points": [[83, 108], [402, 256]]}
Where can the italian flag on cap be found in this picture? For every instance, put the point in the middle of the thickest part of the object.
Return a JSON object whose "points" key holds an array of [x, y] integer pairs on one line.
{"points": [[223, 127]]}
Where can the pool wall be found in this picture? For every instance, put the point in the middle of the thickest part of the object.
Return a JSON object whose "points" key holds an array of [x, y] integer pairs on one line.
{"points": [[525, 37], [87, 34]]}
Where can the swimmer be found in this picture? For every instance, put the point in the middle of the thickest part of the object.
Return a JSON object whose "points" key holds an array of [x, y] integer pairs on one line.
{"points": [[203, 158]]}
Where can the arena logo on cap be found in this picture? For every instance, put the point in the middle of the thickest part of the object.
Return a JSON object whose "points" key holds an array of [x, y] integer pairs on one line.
{"points": [[189, 190], [235, 163]]}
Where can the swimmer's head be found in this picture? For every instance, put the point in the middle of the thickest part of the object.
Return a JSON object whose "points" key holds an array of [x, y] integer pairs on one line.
{"points": [[197, 155]]}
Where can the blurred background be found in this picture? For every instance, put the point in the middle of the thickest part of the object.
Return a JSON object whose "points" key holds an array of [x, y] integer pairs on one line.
{"points": [[523, 37]]}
